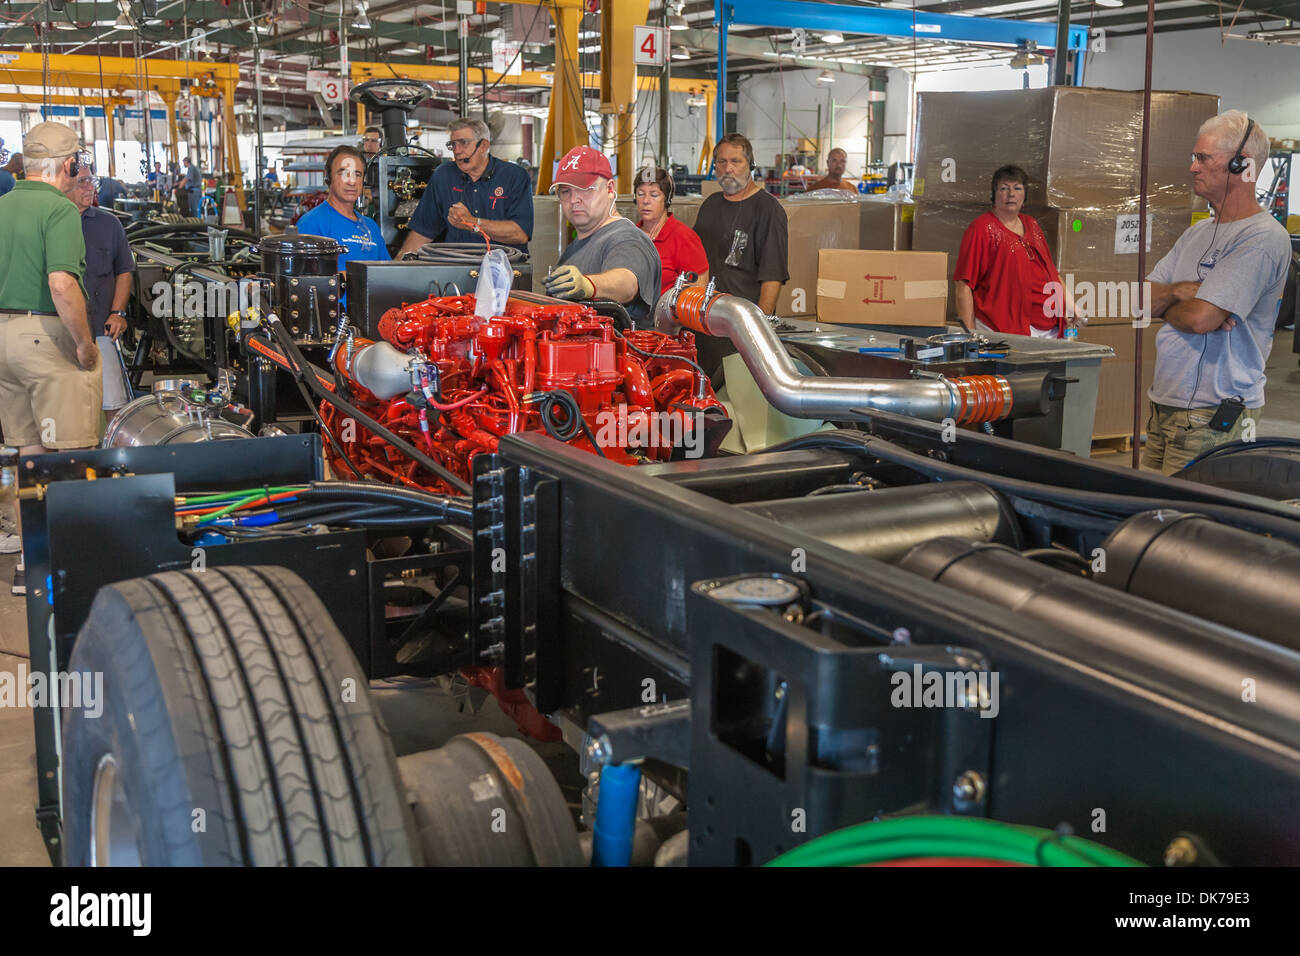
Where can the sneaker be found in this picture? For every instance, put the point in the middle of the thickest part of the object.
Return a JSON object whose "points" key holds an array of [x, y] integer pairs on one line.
{"points": [[20, 581], [10, 543]]}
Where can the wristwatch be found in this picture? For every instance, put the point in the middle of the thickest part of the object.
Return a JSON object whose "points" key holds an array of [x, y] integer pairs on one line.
{"points": [[118, 312]]}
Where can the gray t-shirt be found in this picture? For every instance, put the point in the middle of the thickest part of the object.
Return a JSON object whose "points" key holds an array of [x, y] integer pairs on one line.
{"points": [[620, 245], [1242, 268]]}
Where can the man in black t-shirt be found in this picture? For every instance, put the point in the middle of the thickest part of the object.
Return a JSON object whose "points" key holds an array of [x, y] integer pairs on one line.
{"points": [[744, 229]]}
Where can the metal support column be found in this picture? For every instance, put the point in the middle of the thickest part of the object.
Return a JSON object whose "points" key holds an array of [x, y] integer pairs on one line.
{"points": [[566, 124], [1061, 62], [665, 100], [462, 84], [232, 143], [173, 134], [618, 81]]}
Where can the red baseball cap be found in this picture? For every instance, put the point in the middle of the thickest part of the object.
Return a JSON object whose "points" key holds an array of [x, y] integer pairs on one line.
{"points": [[581, 167]]}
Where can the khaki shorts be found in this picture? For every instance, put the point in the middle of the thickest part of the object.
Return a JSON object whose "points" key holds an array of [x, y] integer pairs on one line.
{"points": [[46, 398], [1176, 436]]}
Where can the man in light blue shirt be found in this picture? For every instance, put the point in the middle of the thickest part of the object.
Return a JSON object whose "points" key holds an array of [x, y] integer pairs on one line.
{"points": [[337, 218], [1218, 291]]}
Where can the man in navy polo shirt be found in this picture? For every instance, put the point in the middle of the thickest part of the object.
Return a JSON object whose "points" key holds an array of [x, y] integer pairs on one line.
{"points": [[476, 196], [337, 218]]}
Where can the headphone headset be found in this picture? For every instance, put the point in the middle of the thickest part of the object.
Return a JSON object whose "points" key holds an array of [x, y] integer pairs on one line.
{"points": [[642, 180], [76, 165], [993, 191], [1238, 162]]}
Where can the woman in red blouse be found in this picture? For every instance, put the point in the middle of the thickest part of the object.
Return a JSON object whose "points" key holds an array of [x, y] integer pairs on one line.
{"points": [[1004, 272], [679, 248]]}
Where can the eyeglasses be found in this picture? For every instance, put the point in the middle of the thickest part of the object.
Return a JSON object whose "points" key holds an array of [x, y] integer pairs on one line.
{"points": [[1201, 158], [567, 193], [462, 143]]}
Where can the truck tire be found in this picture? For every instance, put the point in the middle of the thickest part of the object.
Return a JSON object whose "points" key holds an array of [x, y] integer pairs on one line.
{"points": [[236, 729], [1268, 467]]}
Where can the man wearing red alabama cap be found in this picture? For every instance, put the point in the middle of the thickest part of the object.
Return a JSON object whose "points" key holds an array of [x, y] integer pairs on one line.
{"points": [[611, 258]]}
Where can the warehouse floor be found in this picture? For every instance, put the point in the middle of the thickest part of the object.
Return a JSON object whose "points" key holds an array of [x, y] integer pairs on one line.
{"points": [[418, 718]]}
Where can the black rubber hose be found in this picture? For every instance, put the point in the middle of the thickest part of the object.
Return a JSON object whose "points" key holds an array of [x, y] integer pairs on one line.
{"points": [[295, 356], [669, 358], [614, 310], [165, 321], [463, 253], [320, 423], [1098, 502], [166, 227], [332, 515], [386, 494]]}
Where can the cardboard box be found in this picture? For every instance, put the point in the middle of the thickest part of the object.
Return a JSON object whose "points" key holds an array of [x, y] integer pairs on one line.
{"points": [[1081, 147], [1115, 384], [868, 287], [814, 225], [1093, 248]]}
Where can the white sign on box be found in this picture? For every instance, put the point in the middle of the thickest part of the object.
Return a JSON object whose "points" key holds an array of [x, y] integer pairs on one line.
{"points": [[1126, 233]]}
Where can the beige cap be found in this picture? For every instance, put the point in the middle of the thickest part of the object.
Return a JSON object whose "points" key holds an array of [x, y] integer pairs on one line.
{"points": [[50, 141]]}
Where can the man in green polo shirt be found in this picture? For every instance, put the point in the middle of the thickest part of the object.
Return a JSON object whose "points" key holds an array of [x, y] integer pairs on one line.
{"points": [[51, 391]]}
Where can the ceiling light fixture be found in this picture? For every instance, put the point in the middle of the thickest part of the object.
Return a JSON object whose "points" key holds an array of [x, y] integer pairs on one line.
{"points": [[1109, 3], [676, 21], [680, 54], [826, 76], [362, 22], [834, 36]]}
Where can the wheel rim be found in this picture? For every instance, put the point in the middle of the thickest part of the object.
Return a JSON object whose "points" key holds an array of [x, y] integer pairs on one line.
{"points": [[112, 821]]}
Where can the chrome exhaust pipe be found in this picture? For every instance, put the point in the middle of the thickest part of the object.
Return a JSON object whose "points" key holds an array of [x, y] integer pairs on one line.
{"points": [[965, 400]]}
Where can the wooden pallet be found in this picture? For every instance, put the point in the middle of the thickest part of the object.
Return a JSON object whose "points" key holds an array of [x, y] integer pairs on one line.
{"points": [[1111, 444]]}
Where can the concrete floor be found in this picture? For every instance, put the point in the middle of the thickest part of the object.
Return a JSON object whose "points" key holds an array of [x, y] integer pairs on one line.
{"points": [[419, 718]]}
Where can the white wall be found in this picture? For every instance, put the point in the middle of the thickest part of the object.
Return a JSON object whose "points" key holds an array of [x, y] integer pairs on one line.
{"points": [[762, 98], [1262, 79], [686, 128]]}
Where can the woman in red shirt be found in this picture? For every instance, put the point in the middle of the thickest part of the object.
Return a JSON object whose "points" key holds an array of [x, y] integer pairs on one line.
{"points": [[1004, 273], [679, 248]]}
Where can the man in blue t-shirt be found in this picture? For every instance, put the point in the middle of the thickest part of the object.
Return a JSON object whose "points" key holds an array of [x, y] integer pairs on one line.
{"points": [[337, 218], [474, 197]]}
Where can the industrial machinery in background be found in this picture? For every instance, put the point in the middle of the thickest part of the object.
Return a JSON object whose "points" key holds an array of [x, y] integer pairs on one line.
{"points": [[398, 174]]}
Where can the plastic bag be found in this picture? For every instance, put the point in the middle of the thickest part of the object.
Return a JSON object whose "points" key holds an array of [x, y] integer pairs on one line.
{"points": [[494, 280]]}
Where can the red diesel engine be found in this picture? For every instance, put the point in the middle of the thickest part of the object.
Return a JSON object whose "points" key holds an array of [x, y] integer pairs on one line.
{"points": [[545, 365]]}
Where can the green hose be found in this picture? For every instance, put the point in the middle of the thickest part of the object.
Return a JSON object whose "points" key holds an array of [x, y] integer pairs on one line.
{"points": [[238, 493], [937, 836]]}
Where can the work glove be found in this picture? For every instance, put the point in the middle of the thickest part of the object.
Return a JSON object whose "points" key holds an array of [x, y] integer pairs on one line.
{"points": [[567, 282]]}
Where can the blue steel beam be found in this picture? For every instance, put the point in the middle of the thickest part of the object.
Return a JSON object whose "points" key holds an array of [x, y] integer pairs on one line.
{"points": [[877, 21]]}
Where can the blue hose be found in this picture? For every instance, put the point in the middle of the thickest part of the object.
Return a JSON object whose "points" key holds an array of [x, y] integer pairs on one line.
{"points": [[615, 815]]}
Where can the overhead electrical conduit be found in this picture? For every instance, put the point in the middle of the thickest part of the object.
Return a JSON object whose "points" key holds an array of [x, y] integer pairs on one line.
{"points": [[966, 400]]}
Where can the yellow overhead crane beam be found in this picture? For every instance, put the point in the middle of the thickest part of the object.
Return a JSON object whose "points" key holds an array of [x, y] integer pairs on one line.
{"points": [[119, 73], [35, 99]]}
